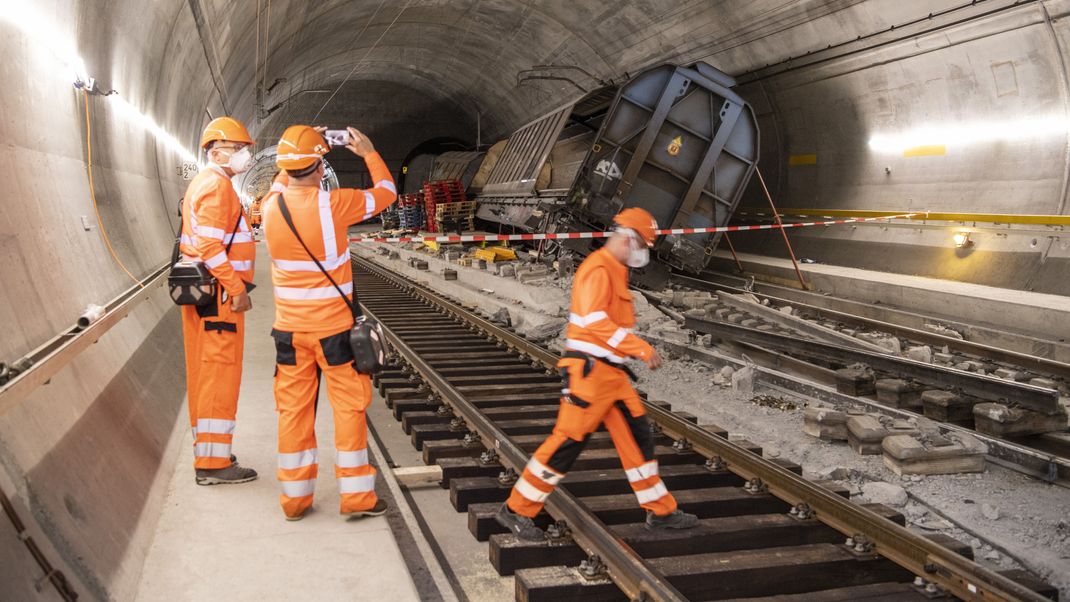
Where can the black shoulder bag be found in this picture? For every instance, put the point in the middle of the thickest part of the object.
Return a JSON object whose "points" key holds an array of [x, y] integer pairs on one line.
{"points": [[191, 282], [366, 337]]}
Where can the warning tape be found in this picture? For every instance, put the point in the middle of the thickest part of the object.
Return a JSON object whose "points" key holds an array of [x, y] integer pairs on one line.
{"points": [[571, 235]]}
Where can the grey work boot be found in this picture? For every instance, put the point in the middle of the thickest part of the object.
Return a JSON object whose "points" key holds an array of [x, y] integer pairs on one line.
{"points": [[677, 520], [518, 524], [378, 509], [225, 476]]}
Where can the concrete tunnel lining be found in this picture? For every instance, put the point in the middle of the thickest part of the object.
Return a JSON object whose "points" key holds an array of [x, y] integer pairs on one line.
{"points": [[437, 69]]}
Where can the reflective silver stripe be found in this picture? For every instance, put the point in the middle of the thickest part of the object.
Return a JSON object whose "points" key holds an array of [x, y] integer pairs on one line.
{"points": [[593, 349], [277, 187], [208, 232], [618, 337], [642, 472], [323, 292], [543, 472], [216, 260], [361, 484], [387, 184], [330, 246], [242, 266], [310, 266], [298, 488], [238, 238], [292, 156], [645, 496], [351, 459], [186, 240], [587, 320], [530, 492], [212, 450], [290, 461], [218, 426]]}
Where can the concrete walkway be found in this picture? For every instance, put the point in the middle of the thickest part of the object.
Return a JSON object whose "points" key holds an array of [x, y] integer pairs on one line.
{"points": [[230, 542]]}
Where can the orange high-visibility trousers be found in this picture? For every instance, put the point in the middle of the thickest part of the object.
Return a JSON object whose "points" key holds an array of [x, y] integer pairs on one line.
{"points": [[604, 395], [214, 348], [300, 358]]}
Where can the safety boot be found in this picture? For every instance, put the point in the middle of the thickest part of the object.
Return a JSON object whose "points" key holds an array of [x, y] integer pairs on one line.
{"points": [[677, 520], [378, 509], [225, 476], [518, 524]]}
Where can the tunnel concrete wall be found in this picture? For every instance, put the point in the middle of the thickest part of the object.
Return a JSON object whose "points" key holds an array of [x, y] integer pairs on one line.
{"points": [[82, 455]]}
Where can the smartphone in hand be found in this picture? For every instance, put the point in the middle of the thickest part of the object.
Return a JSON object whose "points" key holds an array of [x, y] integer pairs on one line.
{"points": [[336, 137]]}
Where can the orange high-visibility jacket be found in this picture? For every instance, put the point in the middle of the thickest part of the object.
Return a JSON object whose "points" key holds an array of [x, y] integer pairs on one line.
{"points": [[602, 315], [209, 213], [305, 301]]}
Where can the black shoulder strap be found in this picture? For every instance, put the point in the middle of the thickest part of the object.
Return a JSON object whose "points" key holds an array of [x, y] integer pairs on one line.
{"points": [[354, 306]]}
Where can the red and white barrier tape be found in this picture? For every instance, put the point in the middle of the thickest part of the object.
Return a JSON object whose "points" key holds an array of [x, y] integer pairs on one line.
{"points": [[565, 235]]}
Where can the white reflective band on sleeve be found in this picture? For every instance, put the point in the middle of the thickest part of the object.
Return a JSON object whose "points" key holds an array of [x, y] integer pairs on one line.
{"points": [[362, 484], [216, 260], [277, 187], [369, 205], [645, 496], [240, 237], [208, 232], [330, 245], [186, 240], [387, 184], [298, 488], [530, 492], [293, 460], [217, 426], [242, 266], [618, 337], [593, 349], [351, 459], [587, 320], [310, 266], [212, 450], [640, 473], [543, 472], [323, 292]]}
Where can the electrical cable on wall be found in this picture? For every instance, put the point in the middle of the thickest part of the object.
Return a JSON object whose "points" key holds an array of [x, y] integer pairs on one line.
{"points": [[93, 195]]}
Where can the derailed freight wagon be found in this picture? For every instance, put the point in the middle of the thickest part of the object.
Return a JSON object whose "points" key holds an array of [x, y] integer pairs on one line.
{"points": [[674, 140]]}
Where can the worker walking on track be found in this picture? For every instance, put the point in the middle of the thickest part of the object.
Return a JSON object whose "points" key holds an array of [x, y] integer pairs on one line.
{"points": [[214, 231], [596, 388], [306, 229]]}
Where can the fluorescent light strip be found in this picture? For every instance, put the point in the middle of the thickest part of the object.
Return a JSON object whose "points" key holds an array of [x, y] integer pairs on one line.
{"points": [[970, 133], [46, 35]]}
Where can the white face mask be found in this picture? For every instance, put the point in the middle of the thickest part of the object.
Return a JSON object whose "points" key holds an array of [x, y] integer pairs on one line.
{"points": [[638, 252], [241, 161]]}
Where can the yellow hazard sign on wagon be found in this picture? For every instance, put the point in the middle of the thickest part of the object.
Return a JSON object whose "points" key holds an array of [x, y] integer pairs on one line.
{"points": [[674, 146]]}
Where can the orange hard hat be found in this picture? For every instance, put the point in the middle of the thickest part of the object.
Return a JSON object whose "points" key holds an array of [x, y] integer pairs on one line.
{"points": [[300, 147], [225, 128], [640, 221]]}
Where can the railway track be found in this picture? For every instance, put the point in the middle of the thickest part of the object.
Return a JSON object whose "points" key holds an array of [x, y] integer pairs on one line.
{"points": [[477, 399], [813, 341]]}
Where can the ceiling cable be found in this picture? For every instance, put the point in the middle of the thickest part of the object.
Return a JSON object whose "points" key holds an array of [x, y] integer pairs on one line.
{"points": [[366, 54]]}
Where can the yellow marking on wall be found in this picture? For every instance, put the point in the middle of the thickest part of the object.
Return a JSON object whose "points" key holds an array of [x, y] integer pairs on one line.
{"points": [[926, 151], [794, 160]]}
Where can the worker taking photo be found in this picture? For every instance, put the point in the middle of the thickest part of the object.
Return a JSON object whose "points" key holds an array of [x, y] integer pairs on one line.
{"points": [[306, 229], [596, 387]]}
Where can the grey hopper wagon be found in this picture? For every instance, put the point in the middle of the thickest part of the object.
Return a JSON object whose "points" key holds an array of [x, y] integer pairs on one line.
{"points": [[674, 140]]}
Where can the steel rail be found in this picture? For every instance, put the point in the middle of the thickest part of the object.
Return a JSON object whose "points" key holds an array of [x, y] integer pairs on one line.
{"points": [[998, 354], [60, 350], [919, 555], [984, 387], [635, 577]]}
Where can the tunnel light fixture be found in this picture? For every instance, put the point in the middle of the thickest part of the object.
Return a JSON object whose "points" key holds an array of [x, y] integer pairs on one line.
{"points": [[46, 36], [923, 139], [962, 240]]}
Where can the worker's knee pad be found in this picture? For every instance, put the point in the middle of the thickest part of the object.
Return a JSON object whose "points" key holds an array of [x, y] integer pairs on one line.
{"points": [[641, 431], [565, 456]]}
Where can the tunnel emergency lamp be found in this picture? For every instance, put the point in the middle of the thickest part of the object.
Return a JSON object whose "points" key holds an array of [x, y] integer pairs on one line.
{"points": [[47, 37], [969, 133], [962, 240]]}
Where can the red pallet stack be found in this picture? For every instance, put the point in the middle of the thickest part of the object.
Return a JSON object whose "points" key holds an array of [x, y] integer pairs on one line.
{"points": [[440, 192]]}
